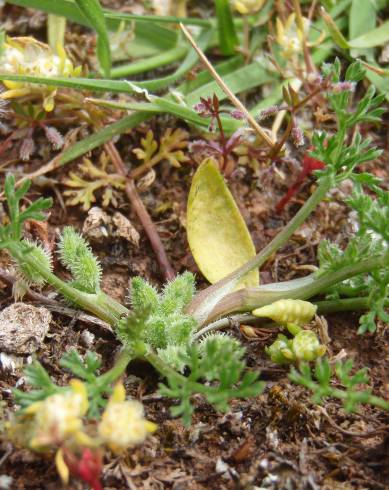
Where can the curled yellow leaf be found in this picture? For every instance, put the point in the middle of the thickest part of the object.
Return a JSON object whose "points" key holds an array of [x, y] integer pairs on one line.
{"points": [[217, 234]]}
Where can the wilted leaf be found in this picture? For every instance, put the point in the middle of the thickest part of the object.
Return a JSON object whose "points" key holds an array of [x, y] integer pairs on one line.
{"points": [[218, 237], [170, 148]]}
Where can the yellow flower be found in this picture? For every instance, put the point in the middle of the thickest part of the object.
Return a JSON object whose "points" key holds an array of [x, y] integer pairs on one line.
{"points": [[59, 416], [123, 424], [290, 37], [245, 7], [27, 56]]}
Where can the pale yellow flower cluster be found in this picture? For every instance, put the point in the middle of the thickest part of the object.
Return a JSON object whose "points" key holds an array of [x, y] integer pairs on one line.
{"points": [[290, 37], [27, 56], [123, 424], [59, 417]]}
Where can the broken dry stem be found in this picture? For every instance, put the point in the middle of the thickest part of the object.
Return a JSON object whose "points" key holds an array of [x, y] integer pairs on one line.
{"points": [[142, 213], [235, 101]]}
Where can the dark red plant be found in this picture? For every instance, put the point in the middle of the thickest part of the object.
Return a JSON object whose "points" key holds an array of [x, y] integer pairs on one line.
{"points": [[210, 107], [309, 165], [86, 467]]}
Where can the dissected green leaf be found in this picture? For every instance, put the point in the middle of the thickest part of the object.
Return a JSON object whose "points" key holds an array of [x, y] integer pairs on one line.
{"points": [[218, 236]]}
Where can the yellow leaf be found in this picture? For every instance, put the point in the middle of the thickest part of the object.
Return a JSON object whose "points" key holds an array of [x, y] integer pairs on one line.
{"points": [[217, 234]]}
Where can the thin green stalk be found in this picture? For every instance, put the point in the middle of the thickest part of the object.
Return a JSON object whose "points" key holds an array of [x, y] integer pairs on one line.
{"points": [[348, 304], [100, 304], [140, 66], [163, 368], [250, 298], [323, 307], [124, 359]]}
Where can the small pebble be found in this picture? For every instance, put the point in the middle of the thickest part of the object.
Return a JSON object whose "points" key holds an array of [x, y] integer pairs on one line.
{"points": [[23, 328]]}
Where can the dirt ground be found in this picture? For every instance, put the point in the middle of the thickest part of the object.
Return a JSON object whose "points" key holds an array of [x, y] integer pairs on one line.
{"points": [[279, 440]]}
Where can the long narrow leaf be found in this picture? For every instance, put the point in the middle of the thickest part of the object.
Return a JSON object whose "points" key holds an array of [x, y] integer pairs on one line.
{"points": [[143, 65], [375, 37], [150, 37], [68, 9], [92, 11], [362, 19], [245, 78], [102, 136], [228, 39]]}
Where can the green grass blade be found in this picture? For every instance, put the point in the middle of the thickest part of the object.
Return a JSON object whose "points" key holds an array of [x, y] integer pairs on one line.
{"points": [[362, 19], [154, 37], [204, 76], [102, 136], [189, 62], [373, 38], [75, 83], [68, 9], [164, 105], [92, 11], [169, 19], [228, 38], [245, 78], [143, 65]]}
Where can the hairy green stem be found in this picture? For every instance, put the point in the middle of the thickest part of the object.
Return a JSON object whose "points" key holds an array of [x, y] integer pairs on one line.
{"points": [[348, 304], [99, 304], [125, 357]]}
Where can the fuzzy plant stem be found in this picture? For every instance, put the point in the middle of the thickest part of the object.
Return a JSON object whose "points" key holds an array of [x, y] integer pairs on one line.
{"points": [[164, 369], [250, 298], [278, 241], [124, 359], [99, 304]]}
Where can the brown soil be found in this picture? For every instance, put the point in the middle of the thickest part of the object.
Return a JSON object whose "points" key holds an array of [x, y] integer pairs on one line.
{"points": [[279, 440]]}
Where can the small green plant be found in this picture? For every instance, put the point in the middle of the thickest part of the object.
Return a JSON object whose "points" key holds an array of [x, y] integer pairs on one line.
{"points": [[348, 387], [168, 329], [157, 329]]}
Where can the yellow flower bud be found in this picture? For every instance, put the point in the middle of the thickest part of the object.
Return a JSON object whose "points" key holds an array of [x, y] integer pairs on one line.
{"points": [[289, 36], [286, 311], [123, 424], [245, 7], [306, 346]]}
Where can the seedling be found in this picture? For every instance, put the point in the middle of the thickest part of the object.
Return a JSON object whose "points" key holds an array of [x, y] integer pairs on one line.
{"points": [[166, 328]]}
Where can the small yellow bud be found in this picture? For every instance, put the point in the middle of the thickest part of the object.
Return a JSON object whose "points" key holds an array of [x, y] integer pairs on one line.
{"points": [[289, 36], [123, 424], [306, 346], [286, 311], [246, 7]]}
